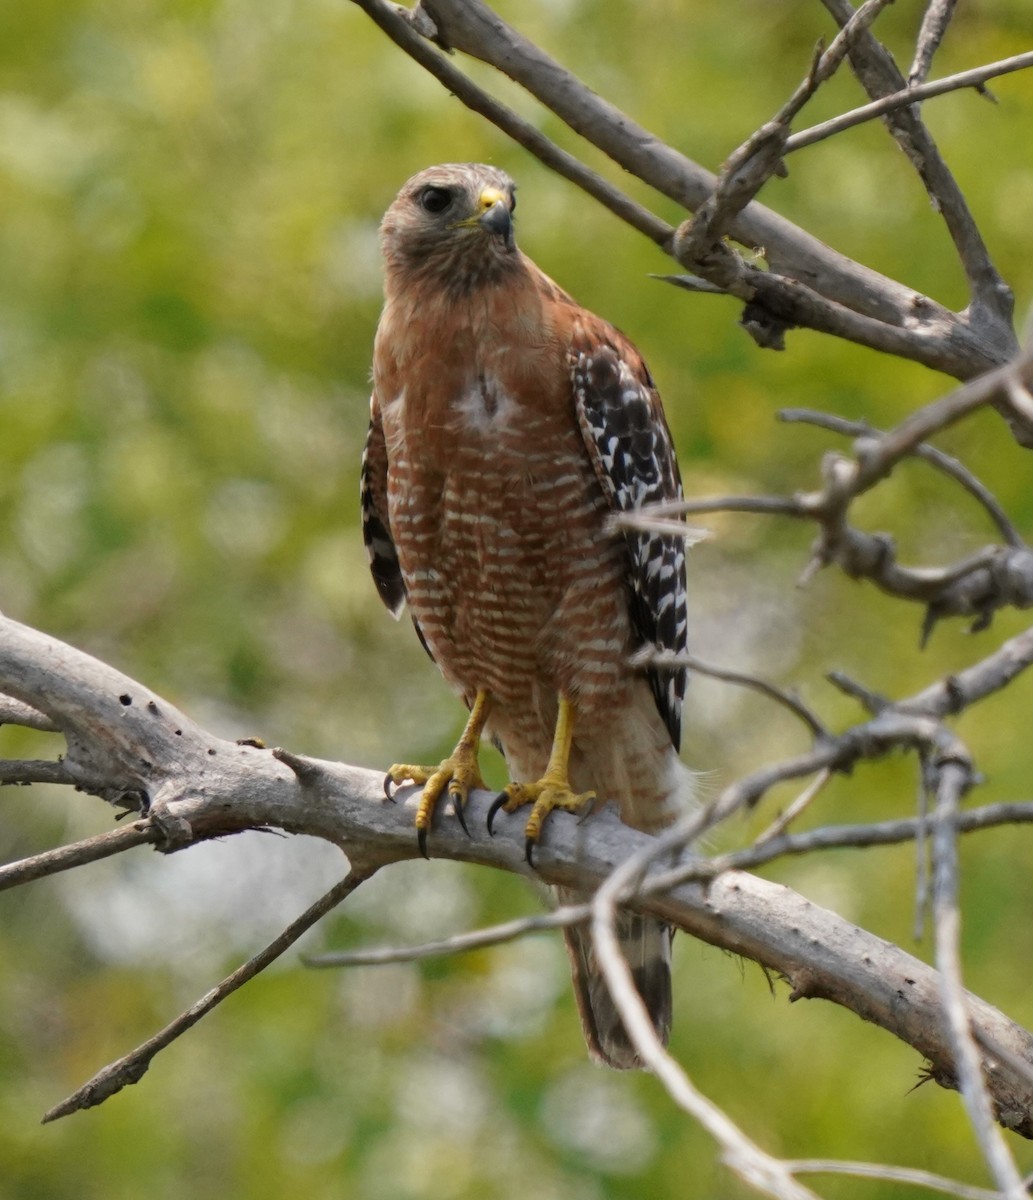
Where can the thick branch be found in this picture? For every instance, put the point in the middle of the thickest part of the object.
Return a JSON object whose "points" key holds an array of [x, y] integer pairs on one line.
{"points": [[200, 786]]}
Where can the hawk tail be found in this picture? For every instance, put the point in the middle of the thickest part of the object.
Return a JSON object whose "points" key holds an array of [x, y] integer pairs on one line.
{"points": [[645, 943]]}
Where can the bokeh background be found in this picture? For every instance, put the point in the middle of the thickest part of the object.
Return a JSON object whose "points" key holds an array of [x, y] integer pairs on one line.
{"points": [[189, 285]]}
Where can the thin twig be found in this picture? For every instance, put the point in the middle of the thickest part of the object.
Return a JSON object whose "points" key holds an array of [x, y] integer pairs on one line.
{"points": [[807, 284], [992, 300], [975, 77], [760, 1170], [954, 780], [871, 702], [975, 586], [132, 1067], [653, 517], [922, 881], [947, 697], [782, 822], [933, 455], [77, 854], [649, 657], [863, 18], [871, 740], [34, 770], [919, 426], [460, 943], [905, 1175], [835, 837], [934, 25], [749, 167]]}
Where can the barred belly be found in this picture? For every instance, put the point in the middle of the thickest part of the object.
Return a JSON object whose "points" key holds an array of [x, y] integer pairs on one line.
{"points": [[511, 576]]}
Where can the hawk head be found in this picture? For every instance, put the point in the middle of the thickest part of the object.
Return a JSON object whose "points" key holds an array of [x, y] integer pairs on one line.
{"points": [[453, 222]]}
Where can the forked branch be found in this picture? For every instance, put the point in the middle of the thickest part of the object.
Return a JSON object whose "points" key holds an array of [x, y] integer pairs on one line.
{"points": [[806, 282]]}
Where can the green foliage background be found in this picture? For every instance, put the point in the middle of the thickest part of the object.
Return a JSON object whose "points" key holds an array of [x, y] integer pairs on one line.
{"points": [[189, 284]]}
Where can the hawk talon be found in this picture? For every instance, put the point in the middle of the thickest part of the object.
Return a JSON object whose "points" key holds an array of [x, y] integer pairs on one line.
{"points": [[457, 800], [455, 776], [388, 793], [496, 804]]}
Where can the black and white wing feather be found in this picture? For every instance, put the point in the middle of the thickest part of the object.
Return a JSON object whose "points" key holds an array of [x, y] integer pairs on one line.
{"points": [[623, 424], [376, 532]]}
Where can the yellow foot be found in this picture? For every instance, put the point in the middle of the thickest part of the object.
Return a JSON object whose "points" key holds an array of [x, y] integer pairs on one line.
{"points": [[552, 791], [459, 774]]}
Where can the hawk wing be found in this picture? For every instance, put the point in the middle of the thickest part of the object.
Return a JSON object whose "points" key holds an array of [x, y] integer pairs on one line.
{"points": [[376, 532], [632, 453]]}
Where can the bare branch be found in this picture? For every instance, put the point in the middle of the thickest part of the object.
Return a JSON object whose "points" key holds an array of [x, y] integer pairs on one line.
{"points": [[978, 585], [132, 1067], [954, 781], [937, 17], [764, 850], [891, 729], [77, 854], [936, 457], [13, 712], [475, 29], [992, 300], [648, 657], [966, 687], [749, 167], [911, 723], [405, 34], [906, 437], [148, 747], [905, 1175], [459, 943], [975, 77], [807, 284], [838, 837], [798, 806], [33, 770], [739, 1153]]}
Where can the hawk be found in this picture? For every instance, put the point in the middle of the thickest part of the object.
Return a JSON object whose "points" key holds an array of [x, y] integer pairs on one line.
{"points": [[508, 424]]}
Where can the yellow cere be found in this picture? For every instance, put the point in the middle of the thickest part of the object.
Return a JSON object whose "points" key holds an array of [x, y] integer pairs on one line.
{"points": [[491, 197]]}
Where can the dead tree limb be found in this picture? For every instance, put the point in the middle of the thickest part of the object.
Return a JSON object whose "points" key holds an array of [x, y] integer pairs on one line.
{"points": [[129, 746]]}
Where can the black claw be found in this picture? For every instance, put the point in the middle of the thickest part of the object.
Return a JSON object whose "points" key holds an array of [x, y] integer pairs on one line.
{"points": [[421, 841], [529, 846], [456, 801], [388, 794], [496, 804]]}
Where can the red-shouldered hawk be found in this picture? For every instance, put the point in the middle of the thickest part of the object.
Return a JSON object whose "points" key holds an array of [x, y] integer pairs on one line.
{"points": [[507, 425]]}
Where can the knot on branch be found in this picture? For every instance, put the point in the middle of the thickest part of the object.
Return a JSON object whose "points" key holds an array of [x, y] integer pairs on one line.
{"points": [[174, 831], [765, 327], [1000, 577]]}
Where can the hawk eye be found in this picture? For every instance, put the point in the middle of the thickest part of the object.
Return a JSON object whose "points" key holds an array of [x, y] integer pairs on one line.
{"points": [[435, 199]]}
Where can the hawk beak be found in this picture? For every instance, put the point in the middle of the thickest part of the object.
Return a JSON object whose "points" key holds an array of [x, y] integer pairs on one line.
{"points": [[496, 218]]}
